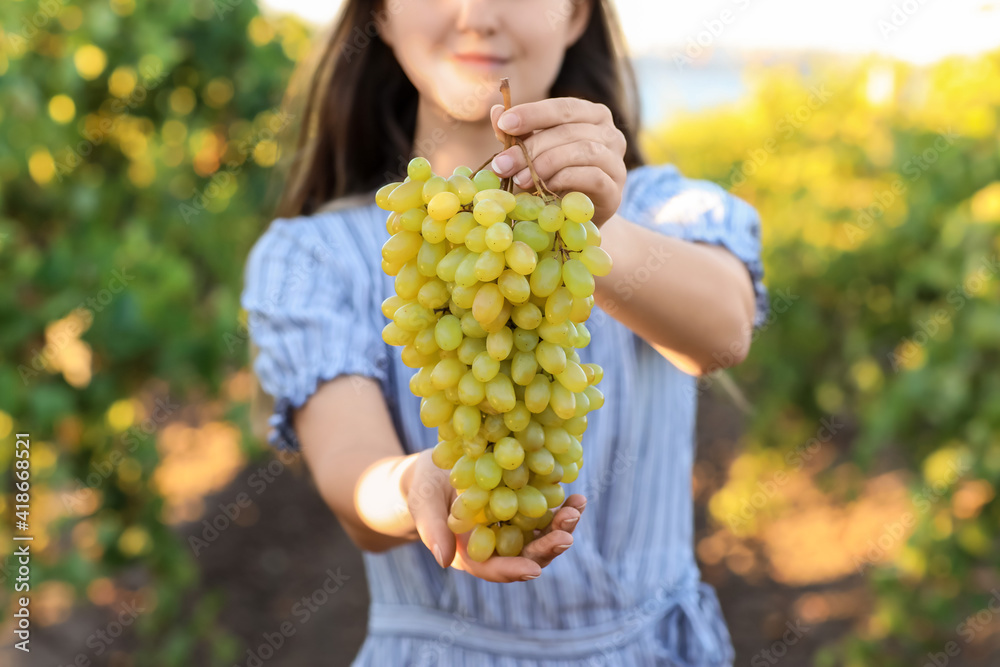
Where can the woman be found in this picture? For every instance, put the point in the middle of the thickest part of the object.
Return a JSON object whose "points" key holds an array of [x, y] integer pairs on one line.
{"points": [[620, 583]]}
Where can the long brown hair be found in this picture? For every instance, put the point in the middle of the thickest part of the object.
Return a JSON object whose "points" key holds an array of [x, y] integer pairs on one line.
{"points": [[359, 114]]}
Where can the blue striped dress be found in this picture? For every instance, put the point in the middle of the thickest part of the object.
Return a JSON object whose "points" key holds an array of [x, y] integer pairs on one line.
{"points": [[629, 591]]}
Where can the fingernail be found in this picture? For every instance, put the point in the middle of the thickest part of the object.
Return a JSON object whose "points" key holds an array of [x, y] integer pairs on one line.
{"points": [[508, 122], [523, 179], [560, 548], [529, 577], [502, 163], [437, 556], [570, 522]]}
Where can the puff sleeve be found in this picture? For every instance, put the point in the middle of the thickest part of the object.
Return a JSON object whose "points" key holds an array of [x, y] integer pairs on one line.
{"points": [[660, 198], [308, 294]]}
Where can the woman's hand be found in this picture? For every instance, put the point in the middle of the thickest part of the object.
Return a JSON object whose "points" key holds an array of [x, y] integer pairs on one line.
{"points": [[430, 494], [573, 144]]}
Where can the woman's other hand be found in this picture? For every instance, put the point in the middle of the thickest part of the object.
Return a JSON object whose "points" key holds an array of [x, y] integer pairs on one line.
{"points": [[430, 494]]}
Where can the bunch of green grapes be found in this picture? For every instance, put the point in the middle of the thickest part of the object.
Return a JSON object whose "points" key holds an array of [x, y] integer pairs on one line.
{"points": [[492, 293]]}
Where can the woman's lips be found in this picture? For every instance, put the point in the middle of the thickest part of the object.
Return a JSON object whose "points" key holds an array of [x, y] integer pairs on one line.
{"points": [[480, 60]]}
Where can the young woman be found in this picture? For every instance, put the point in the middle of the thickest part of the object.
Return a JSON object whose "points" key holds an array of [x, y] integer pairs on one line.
{"points": [[620, 584]]}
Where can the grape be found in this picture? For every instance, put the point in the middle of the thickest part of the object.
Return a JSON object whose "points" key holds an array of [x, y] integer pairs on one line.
{"points": [[482, 542], [551, 218], [530, 233], [536, 394], [466, 420], [463, 473], [528, 207], [530, 502], [485, 367], [577, 277], [489, 265], [558, 305], [448, 332], [488, 212], [382, 196], [463, 187], [447, 373], [578, 207], [499, 237], [446, 453], [509, 454], [433, 186], [402, 247], [492, 292], [406, 196], [540, 461], [488, 473], [523, 367], [503, 503], [475, 239], [424, 341], [500, 343], [597, 261], [574, 235], [486, 180], [458, 227], [419, 169], [546, 276], [514, 287], [510, 540], [488, 303]]}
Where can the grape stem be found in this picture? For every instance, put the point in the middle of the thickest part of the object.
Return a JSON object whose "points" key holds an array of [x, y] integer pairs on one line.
{"points": [[509, 140]]}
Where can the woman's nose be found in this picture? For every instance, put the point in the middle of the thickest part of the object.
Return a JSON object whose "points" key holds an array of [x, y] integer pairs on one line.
{"points": [[477, 16]]}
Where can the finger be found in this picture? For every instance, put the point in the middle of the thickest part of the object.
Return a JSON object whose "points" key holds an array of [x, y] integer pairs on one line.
{"points": [[512, 160], [500, 569], [577, 154], [568, 515], [495, 112], [430, 515], [591, 180], [548, 546], [525, 118]]}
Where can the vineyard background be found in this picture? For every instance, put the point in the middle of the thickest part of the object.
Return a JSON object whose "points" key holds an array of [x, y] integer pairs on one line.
{"points": [[848, 489]]}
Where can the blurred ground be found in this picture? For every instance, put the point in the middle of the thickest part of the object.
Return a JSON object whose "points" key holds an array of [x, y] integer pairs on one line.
{"points": [[275, 569]]}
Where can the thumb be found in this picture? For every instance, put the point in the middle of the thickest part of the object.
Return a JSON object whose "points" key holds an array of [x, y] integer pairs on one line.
{"points": [[429, 508], [495, 112]]}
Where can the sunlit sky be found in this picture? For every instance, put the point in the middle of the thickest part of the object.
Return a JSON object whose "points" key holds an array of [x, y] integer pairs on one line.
{"points": [[927, 29]]}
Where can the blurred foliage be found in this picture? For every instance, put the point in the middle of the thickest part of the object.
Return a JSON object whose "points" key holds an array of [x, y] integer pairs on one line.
{"points": [[136, 140], [878, 185]]}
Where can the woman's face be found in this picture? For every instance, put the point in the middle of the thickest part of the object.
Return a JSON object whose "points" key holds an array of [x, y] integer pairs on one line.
{"points": [[456, 51]]}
